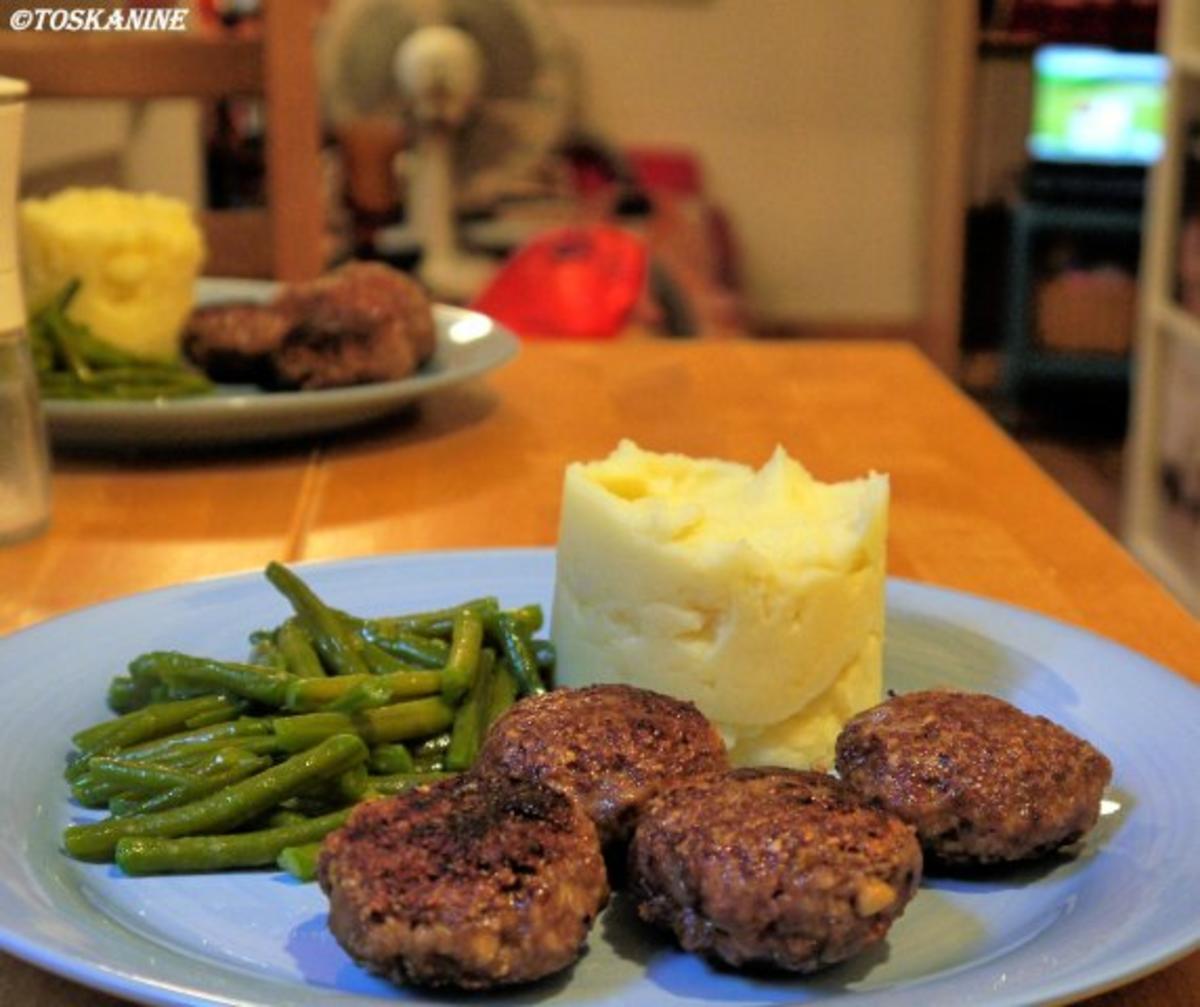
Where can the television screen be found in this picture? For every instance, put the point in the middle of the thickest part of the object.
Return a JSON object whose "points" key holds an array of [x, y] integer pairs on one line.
{"points": [[1097, 106]]}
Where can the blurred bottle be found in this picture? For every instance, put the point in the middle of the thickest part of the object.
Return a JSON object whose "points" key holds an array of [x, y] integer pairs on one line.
{"points": [[24, 468]]}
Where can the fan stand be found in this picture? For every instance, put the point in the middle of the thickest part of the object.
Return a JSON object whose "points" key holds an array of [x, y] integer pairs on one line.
{"points": [[440, 68], [446, 269]]}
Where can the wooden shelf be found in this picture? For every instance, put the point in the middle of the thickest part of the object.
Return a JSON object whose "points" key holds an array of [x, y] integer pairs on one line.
{"points": [[239, 243], [1163, 328], [1181, 323], [1000, 42], [151, 65], [1187, 62], [1167, 569], [1076, 366]]}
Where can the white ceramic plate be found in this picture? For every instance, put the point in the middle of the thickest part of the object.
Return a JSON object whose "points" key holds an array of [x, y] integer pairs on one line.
{"points": [[468, 344], [1125, 905]]}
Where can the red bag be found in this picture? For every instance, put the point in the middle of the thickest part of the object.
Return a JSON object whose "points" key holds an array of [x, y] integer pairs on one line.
{"points": [[570, 283]]}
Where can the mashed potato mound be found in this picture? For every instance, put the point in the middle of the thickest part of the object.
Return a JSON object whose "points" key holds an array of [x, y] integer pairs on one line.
{"points": [[757, 595], [135, 255]]}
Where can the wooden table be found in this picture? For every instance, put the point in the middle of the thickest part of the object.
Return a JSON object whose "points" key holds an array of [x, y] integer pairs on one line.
{"points": [[482, 466]]}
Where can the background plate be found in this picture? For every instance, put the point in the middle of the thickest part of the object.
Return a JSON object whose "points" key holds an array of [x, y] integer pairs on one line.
{"points": [[468, 344], [1125, 904]]}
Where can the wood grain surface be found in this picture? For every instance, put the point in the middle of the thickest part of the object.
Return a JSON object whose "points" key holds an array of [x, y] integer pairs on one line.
{"points": [[481, 465]]}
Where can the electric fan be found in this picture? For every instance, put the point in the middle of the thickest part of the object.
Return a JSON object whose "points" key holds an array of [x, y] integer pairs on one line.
{"points": [[485, 90]]}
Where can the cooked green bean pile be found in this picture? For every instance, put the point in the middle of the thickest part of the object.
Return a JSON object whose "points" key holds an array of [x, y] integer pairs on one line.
{"points": [[212, 765], [72, 363]]}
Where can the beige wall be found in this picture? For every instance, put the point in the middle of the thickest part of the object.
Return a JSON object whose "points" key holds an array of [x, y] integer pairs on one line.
{"points": [[152, 146], [810, 116]]}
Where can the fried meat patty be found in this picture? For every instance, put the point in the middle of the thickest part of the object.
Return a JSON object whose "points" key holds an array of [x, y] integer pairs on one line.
{"points": [[465, 883], [362, 322], [772, 867], [610, 747], [981, 781], [236, 342]]}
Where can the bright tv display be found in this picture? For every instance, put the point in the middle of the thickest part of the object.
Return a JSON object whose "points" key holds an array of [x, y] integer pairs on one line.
{"points": [[1097, 106]]}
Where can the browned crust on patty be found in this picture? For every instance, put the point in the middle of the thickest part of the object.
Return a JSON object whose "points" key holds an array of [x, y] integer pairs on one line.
{"points": [[465, 883], [981, 781], [772, 866], [611, 747]]}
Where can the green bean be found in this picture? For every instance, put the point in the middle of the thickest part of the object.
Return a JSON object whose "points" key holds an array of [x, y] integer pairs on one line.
{"points": [[397, 783], [65, 386], [191, 756], [262, 685], [363, 696], [145, 855], [126, 695], [158, 748], [348, 788], [315, 693], [145, 668], [59, 330], [415, 718], [438, 622], [95, 369], [108, 778], [470, 722], [144, 375], [212, 717], [312, 805], [353, 783], [466, 640], [300, 861], [430, 755], [425, 652], [379, 661], [144, 724], [330, 636], [520, 658], [266, 653], [529, 618], [225, 809], [191, 783], [144, 777], [298, 651], [305, 730], [77, 763], [229, 753], [284, 817], [183, 749], [387, 759], [92, 793], [96, 788], [202, 786], [504, 694]]}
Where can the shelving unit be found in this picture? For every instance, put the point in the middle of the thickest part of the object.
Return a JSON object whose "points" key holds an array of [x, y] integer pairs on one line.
{"points": [[286, 240], [1162, 533], [1024, 358]]}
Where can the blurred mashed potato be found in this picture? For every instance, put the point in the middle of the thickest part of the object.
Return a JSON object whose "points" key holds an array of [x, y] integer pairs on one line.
{"points": [[136, 256], [757, 595]]}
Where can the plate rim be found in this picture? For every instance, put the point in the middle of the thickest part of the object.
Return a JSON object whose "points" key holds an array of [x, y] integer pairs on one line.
{"points": [[121, 980], [504, 340], [243, 414]]}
